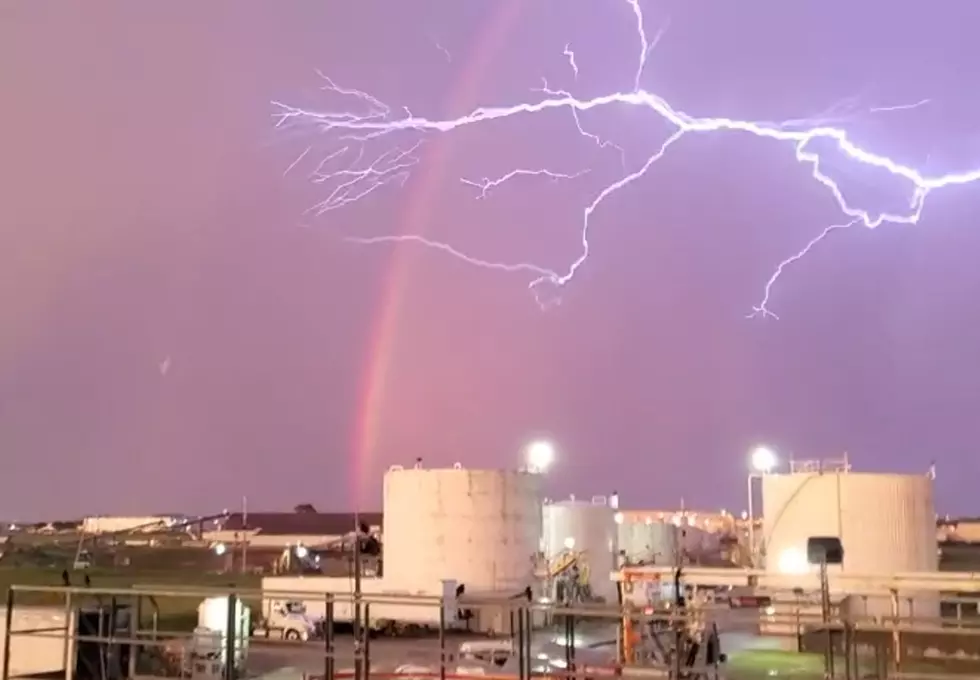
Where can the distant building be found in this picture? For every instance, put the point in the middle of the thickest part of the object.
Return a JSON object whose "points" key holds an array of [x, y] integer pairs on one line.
{"points": [[111, 525], [710, 522], [962, 530], [283, 529]]}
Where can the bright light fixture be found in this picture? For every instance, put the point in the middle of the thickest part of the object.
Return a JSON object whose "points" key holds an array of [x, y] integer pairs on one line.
{"points": [[793, 561], [540, 455], [764, 459]]}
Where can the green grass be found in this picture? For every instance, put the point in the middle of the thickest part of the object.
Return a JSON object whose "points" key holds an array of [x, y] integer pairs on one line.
{"points": [[764, 663], [760, 663], [166, 613]]}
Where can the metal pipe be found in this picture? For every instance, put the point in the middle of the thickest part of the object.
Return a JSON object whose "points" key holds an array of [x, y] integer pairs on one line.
{"points": [[231, 638], [328, 641], [366, 668], [9, 616], [244, 534], [678, 650], [748, 484], [442, 642], [521, 658], [359, 641], [896, 635], [112, 649], [570, 643], [134, 631], [71, 632], [528, 632]]}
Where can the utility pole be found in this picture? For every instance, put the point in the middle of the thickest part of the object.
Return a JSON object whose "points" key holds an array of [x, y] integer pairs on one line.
{"points": [[244, 534], [357, 566]]}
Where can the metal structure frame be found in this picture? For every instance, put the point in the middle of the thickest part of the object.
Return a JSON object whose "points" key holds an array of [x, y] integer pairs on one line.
{"points": [[630, 619]]}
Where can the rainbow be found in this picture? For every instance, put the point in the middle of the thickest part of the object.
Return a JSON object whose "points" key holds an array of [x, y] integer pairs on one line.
{"points": [[416, 215]]}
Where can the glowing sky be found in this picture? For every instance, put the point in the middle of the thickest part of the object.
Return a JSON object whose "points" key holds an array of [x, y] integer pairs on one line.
{"points": [[175, 332]]}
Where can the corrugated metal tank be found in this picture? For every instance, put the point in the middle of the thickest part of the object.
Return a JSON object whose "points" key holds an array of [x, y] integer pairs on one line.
{"points": [[479, 527], [648, 542], [588, 527], [652, 541], [886, 523]]}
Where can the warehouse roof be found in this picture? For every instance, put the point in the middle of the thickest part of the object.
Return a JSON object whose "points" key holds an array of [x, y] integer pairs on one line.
{"points": [[299, 523]]}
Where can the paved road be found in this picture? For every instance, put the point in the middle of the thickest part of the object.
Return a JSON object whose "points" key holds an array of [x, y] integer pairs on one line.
{"points": [[739, 631], [386, 653]]}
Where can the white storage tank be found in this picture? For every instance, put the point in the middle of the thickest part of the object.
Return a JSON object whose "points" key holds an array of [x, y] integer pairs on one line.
{"points": [[886, 524], [589, 528], [478, 527], [649, 541], [652, 540]]}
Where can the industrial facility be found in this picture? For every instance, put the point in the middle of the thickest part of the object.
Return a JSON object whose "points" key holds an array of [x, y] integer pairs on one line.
{"points": [[491, 533], [482, 551]]}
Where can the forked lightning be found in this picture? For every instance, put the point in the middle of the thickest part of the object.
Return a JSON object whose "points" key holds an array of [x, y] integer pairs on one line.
{"points": [[352, 177]]}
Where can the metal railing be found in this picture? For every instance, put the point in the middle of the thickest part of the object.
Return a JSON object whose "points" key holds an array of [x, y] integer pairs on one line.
{"points": [[140, 643]]}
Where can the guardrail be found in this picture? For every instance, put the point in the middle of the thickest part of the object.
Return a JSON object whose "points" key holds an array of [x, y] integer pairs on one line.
{"points": [[852, 584]]}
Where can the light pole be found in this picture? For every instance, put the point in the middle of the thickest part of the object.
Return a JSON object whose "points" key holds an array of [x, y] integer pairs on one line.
{"points": [[762, 460]]}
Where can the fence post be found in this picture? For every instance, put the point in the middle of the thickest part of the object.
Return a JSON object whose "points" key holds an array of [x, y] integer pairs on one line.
{"points": [[442, 639], [522, 662], [231, 638], [134, 634], [328, 646], [6, 633], [366, 643]]}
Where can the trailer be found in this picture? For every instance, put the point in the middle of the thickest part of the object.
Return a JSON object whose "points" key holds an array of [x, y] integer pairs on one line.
{"points": [[389, 610]]}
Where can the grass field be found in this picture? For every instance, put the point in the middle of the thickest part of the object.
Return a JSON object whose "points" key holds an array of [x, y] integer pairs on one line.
{"points": [[754, 664], [168, 613], [749, 665]]}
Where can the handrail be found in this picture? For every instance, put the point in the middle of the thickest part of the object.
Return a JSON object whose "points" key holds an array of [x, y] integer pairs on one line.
{"points": [[851, 583]]}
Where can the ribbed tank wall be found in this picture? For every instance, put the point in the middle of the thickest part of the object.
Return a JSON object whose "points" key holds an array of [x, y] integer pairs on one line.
{"points": [[479, 527], [588, 528], [886, 523], [649, 542], [662, 543]]}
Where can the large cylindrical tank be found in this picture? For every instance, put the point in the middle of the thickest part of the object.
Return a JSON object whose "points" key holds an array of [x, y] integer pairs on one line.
{"points": [[588, 528], [479, 527], [886, 524], [665, 541], [649, 542]]}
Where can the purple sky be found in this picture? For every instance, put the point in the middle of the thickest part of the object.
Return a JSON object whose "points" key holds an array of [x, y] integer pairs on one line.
{"points": [[145, 222]]}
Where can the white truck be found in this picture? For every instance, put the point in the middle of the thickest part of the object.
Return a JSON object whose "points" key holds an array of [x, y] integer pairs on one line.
{"points": [[290, 620], [390, 610]]}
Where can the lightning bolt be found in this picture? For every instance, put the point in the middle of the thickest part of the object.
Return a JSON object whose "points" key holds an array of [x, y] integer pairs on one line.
{"points": [[485, 185], [570, 55], [352, 177]]}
